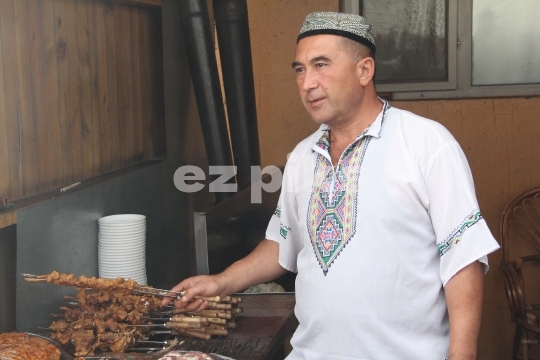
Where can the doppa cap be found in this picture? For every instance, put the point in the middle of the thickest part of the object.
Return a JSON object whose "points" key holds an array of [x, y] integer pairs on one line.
{"points": [[351, 26]]}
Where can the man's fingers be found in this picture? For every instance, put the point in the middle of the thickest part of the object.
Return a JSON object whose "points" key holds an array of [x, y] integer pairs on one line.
{"points": [[192, 288], [173, 293], [196, 305]]}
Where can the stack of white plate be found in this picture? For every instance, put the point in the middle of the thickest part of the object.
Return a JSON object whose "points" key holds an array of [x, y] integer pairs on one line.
{"points": [[122, 247]]}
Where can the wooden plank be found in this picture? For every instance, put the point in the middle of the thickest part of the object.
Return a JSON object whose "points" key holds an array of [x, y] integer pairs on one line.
{"points": [[112, 89], [124, 86], [94, 87], [64, 93], [50, 66], [103, 86], [156, 3], [11, 82], [41, 162], [74, 105], [28, 134], [4, 145], [136, 77], [156, 85], [146, 96], [83, 55]]}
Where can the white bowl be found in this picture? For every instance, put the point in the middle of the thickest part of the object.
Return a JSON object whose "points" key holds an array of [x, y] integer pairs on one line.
{"points": [[113, 274], [121, 272], [120, 247], [121, 241], [128, 259], [128, 238], [123, 261], [121, 252], [122, 225], [121, 229], [122, 232], [135, 249], [118, 241], [116, 273], [121, 218], [113, 259], [120, 259]]}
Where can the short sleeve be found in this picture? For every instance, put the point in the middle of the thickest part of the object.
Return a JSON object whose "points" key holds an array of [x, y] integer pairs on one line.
{"points": [[283, 226], [462, 234]]}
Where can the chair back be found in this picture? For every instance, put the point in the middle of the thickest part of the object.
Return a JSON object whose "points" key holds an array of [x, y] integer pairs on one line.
{"points": [[520, 266], [520, 226]]}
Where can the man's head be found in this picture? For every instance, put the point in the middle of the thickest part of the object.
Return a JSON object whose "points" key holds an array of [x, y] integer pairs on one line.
{"points": [[334, 66], [348, 26]]}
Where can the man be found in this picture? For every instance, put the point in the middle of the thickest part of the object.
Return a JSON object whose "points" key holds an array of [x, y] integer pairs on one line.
{"points": [[377, 215]]}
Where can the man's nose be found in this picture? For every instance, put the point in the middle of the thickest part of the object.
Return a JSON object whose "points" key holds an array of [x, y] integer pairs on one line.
{"points": [[309, 80]]}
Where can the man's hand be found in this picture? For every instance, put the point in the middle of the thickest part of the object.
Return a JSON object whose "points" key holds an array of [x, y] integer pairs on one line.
{"points": [[464, 296], [203, 285], [258, 267]]}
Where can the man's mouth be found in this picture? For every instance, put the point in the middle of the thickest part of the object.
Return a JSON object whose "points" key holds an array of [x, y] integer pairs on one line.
{"points": [[315, 102]]}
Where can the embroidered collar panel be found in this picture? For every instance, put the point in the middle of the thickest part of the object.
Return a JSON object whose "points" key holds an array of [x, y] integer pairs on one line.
{"points": [[373, 130]]}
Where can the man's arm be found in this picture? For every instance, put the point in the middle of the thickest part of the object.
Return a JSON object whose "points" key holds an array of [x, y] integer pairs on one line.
{"points": [[464, 295], [258, 267]]}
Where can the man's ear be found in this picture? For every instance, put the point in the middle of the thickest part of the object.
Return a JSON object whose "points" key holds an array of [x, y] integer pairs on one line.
{"points": [[365, 70]]}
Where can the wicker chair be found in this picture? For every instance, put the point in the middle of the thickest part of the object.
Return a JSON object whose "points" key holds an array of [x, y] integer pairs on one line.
{"points": [[520, 265]]}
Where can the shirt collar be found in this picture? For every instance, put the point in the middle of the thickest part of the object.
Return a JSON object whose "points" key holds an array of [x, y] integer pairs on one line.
{"points": [[373, 130]]}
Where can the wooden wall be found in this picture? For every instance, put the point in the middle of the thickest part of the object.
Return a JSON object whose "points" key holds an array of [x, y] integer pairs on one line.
{"points": [[81, 91]]}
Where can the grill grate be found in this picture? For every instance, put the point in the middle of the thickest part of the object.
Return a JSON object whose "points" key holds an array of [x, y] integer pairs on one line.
{"points": [[225, 347]]}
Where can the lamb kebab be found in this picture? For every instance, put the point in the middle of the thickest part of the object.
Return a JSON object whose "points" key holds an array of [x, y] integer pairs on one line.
{"points": [[114, 314]]}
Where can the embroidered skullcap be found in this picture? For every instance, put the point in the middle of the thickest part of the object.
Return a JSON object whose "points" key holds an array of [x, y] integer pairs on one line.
{"points": [[351, 26]]}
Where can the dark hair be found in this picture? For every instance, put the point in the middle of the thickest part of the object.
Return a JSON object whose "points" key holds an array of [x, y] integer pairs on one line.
{"points": [[356, 50]]}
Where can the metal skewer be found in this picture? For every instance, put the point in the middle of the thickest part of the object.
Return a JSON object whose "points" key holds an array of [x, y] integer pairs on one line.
{"points": [[180, 318], [141, 289], [164, 343], [172, 294], [137, 349]]}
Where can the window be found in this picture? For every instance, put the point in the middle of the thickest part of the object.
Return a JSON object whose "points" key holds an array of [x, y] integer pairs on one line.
{"points": [[451, 48]]}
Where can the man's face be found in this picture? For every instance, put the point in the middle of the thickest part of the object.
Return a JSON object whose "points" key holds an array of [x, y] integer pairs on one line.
{"points": [[327, 79]]}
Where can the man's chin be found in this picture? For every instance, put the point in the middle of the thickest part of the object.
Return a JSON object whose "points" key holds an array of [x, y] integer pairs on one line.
{"points": [[320, 120]]}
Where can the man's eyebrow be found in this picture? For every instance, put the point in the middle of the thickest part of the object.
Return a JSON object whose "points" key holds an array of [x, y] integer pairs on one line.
{"points": [[312, 61], [319, 58]]}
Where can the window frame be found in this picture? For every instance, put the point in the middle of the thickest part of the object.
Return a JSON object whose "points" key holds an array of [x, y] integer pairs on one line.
{"points": [[459, 83]]}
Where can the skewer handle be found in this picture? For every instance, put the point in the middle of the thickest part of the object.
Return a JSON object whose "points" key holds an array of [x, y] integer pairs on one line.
{"points": [[214, 299], [183, 325], [190, 319]]}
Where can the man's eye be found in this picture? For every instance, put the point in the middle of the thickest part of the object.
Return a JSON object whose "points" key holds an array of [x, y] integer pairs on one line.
{"points": [[320, 65], [299, 70]]}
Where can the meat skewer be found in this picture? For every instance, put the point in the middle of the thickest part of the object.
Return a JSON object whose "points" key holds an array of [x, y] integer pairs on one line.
{"points": [[108, 284], [114, 314]]}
